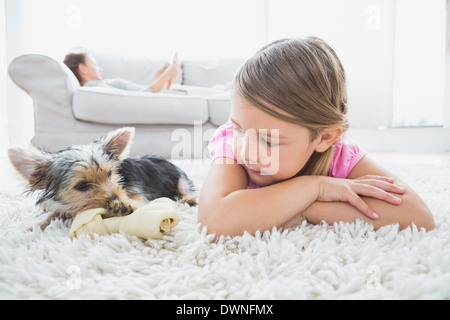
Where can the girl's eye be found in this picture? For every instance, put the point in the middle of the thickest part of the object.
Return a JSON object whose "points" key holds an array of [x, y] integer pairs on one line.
{"points": [[268, 143]]}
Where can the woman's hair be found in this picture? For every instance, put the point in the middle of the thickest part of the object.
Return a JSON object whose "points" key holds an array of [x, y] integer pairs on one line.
{"points": [[305, 82], [73, 60]]}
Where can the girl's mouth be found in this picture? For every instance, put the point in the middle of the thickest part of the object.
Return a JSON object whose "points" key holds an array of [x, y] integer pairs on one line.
{"points": [[254, 171]]}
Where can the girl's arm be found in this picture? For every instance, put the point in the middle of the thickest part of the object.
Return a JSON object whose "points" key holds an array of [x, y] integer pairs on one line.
{"points": [[228, 208], [411, 210]]}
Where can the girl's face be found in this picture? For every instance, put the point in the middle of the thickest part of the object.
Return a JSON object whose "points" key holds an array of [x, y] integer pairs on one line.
{"points": [[271, 150]]}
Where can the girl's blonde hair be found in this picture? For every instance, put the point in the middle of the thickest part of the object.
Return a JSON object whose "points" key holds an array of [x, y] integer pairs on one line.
{"points": [[304, 79]]}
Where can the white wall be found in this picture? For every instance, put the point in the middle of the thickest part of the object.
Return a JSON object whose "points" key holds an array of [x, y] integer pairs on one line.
{"points": [[3, 68], [20, 107], [196, 29], [361, 31], [447, 81], [4, 135], [420, 50]]}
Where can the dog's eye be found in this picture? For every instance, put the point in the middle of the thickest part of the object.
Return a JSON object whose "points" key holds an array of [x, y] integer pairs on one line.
{"points": [[109, 173], [83, 186]]}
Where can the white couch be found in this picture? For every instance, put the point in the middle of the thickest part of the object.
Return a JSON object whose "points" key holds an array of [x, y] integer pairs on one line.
{"points": [[67, 114]]}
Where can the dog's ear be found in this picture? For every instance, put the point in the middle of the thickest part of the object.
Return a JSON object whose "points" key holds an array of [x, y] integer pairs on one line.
{"points": [[118, 142], [31, 164]]}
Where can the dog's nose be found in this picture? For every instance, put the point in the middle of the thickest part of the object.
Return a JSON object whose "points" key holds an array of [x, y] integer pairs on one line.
{"points": [[117, 206]]}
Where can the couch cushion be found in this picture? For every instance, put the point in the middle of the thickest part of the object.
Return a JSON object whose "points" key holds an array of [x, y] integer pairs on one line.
{"points": [[115, 106], [219, 107]]}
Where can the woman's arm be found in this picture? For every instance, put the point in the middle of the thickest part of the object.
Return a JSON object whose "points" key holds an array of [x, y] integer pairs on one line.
{"points": [[228, 208], [411, 210]]}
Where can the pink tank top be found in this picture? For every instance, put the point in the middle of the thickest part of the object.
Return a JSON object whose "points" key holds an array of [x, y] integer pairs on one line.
{"points": [[346, 152]]}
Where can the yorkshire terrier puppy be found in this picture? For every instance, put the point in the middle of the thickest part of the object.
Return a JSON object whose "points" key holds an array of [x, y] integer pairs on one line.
{"points": [[99, 175]]}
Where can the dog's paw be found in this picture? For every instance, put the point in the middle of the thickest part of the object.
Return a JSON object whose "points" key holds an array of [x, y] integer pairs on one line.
{"points": [[116, 208], [190, 200]]}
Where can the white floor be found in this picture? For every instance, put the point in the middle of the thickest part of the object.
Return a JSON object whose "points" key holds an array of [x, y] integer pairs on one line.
{"points": [[311, 262], [343, 261], [7, 173]]}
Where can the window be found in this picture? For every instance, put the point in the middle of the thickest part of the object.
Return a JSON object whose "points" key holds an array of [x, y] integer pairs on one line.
{"points": [[393, 50], [419, 65], [3, 100], [362, 34], [393, 53]]}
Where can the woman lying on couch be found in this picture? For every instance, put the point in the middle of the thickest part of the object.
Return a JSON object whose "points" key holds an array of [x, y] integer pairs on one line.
{"points": [[88, 73]]}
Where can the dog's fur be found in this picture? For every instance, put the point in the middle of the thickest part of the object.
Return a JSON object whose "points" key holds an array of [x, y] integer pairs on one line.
{"points": [[99, 175]]}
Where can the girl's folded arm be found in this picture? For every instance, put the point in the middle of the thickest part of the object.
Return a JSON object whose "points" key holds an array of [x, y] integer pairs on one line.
{"points": [[410, 210], [226, 207]]}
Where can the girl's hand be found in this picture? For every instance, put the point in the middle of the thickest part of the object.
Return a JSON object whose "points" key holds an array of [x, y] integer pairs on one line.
{"points": [[348, 190]]}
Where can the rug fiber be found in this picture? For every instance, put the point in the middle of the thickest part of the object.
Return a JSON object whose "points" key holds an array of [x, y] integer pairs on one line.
{"points": [[340, 261]]}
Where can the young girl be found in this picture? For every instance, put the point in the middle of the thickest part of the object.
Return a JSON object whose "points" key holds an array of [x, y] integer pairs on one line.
{"points": [[284, 157]]}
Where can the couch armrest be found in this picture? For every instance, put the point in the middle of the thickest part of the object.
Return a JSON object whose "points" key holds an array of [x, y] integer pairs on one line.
{"points": [[51, 85]]}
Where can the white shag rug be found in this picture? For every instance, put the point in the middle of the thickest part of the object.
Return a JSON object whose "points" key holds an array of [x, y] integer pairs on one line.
{"points": [[341, 261]]}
